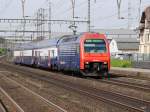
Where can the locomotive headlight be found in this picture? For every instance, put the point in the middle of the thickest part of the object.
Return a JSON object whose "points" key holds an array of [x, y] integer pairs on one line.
{"points": [[86, 62], [105, 63]]}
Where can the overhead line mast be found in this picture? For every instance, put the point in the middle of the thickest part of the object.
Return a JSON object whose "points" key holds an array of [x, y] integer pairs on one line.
{"points": [[89, 15], [73, 26], [140, 10], [129, 14], [119, 7], [50, 12], [23, 15]]}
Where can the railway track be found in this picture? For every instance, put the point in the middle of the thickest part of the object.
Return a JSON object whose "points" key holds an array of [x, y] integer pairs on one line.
{"points": [[123, 101], [2, 107], [108, 97], [44, 105], [142, 87], [49, 103]]}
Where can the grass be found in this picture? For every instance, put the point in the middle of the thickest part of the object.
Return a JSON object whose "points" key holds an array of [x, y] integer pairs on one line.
{"points": [[2, 51], [121, 63]]}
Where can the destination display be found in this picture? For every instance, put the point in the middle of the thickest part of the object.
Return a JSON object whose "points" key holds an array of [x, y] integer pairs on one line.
{"points": [[94, 40]]}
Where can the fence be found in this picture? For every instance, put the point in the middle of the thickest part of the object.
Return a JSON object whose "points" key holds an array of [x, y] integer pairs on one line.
{"points": [[137, 57], [137, 60], [140, 57]]}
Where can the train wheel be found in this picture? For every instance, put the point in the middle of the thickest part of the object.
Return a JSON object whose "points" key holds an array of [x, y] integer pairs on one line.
{"points": [[108, 76], [105, 75]]}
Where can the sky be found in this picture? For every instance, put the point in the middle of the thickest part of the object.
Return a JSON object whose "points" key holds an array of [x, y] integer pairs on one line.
{"points": [[104, 13]]}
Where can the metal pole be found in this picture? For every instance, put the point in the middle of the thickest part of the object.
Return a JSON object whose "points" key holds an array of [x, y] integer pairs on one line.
{"points": [[23, 14], [73, 13], [73, 26], [43, 24], [41, 14], [140, 10], [129, 14], [45, 20], [37, 24], [89, 15], [50, 12], [119, 7]]}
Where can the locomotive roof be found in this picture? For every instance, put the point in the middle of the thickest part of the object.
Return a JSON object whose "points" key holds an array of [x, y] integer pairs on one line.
{"points": [[69, 38]]}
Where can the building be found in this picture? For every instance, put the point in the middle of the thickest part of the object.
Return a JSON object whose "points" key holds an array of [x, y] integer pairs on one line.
{"points": [[145, 32], [113, 46], [118, 33], [128, 45], [122, 41]]}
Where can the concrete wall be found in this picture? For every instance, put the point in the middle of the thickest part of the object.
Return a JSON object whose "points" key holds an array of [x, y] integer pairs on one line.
{"points": [[144, 65]]}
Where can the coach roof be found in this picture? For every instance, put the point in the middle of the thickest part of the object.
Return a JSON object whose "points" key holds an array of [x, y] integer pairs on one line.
{"points": [[46, 43]]}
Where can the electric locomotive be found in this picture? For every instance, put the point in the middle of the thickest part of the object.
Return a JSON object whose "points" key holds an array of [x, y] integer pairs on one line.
{"points": [[87, 53]]}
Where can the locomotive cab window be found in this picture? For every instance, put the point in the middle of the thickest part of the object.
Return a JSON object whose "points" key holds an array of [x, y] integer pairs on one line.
{"points": [[95, 46]]}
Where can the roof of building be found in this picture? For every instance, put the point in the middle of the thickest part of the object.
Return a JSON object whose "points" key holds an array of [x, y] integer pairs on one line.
{"points": [[128, 46], [126, 43], [127, 40], [146, 16], [118, 33]]}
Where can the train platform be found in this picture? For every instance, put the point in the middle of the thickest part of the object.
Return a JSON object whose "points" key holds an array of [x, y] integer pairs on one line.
{"points": [[133, 72]]}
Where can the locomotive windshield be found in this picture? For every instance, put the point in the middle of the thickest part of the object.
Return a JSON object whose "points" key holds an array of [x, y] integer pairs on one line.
{"points": [[94, 46]]}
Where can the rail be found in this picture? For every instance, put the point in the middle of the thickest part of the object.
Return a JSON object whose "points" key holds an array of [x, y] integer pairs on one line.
{"points": [[106, 96], [109, 97], [11, 100], [2, 107], [128, 84], [37, 95]]}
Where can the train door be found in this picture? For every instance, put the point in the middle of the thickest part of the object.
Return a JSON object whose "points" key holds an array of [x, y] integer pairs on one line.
{"points": [[36, 58], [39, 57], [21, 54], [20, 57], [32, 58], [49, 59]]}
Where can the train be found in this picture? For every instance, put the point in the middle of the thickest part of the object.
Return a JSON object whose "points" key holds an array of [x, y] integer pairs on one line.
{"points": [[86, 53]]}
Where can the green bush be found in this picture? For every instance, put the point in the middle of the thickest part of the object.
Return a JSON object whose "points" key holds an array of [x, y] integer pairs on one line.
{"points": [[2, 51], [121, 63]]}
